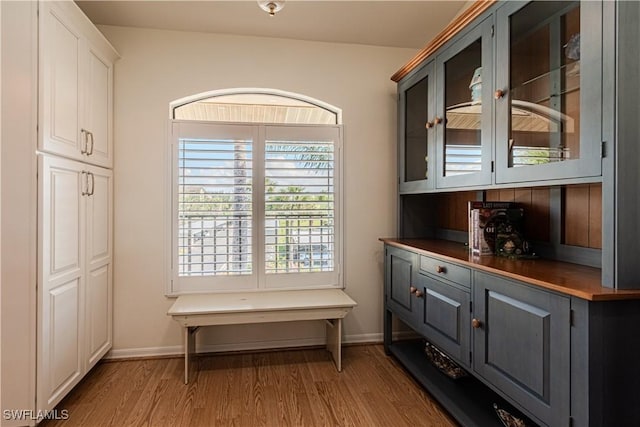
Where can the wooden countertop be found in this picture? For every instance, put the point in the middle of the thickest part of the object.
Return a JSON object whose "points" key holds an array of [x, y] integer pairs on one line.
{"points": [[570, 279]]}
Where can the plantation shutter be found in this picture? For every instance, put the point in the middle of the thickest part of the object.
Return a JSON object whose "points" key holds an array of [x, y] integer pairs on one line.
{"points": [[214, 198], [301, 224], [255, 206]]}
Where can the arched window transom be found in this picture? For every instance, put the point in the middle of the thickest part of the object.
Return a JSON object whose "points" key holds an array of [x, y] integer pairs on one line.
{"points": [[259, 106]]}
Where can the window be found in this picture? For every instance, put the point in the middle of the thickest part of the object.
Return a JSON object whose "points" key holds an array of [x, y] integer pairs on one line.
{"points": [[255, 205]]}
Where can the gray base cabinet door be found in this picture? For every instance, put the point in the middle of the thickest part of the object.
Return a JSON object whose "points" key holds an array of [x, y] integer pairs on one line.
{"points": [[522, 345], [400, 267], [446, 318]]}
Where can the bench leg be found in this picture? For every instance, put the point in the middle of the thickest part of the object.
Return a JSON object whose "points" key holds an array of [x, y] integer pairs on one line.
{"points": [[334, 341], [189, 349]]}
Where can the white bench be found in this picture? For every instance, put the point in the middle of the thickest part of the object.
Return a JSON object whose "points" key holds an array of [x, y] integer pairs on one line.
{"points": [[195, 310]]}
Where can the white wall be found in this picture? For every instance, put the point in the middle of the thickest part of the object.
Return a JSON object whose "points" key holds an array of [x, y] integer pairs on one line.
{"points": [[160, 66]]}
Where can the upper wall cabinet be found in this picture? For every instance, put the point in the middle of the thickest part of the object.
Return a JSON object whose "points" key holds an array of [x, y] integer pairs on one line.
{"points": [[464, 110], [416, 130], [76, 71], [516, 96], [445, 117], [548, 91]]}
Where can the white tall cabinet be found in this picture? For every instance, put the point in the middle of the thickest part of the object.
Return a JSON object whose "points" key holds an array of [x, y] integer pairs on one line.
{"points": [[75, 186], [75, 273]]}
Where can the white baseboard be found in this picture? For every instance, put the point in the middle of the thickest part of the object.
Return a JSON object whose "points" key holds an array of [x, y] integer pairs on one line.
{"points": [[126, 353], [177, 350]]}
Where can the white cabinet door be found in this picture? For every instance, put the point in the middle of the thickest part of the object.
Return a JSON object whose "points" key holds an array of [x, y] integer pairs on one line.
{"points": [[98, 101], [75, 299], [76, 71], [99, 295], [61, 211], [61, 63]]}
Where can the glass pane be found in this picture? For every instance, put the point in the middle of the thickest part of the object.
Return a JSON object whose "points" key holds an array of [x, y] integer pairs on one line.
{"points": [[416, 116], [255, 108], [299, 206], [544, 84], [214, 207], [463, 138]]}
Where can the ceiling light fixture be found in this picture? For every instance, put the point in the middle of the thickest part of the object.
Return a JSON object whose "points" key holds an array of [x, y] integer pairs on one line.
{"points": [[271, 6]]}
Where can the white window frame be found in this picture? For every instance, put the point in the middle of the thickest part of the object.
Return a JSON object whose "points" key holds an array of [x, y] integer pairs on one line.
{"points": [[259, 133]]}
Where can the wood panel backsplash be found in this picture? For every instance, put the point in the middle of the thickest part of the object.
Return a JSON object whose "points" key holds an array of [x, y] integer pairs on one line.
{"points": [[581, 209], [536, 202]]}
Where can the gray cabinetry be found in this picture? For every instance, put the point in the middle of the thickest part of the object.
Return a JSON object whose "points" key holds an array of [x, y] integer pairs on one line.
{"points": [[445, 117], [399, 285], [521, 339], [416, 110], [515, 97], [604, 363], [446, 271], [553, 347], [438, 310], [464, 73], [446, 317], [557, 341], [549, 110]]}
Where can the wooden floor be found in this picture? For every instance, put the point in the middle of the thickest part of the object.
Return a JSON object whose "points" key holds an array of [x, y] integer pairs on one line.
{"points": [[283, 388]]}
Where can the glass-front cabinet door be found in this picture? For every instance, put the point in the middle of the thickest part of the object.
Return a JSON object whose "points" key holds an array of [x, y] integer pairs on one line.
{"points": [[416, 127], [548, 90], [464, 110]]}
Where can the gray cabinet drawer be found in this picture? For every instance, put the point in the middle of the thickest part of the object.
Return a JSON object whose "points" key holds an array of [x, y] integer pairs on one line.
{"points": [[446, 270]]}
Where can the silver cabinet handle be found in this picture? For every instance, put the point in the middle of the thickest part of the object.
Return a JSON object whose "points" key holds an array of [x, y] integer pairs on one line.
{"points": [[85, 183], [84, 143], [90, 151], [93, 184]]}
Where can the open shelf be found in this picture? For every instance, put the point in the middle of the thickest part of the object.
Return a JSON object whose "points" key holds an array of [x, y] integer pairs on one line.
{"points": [[467, 400]]}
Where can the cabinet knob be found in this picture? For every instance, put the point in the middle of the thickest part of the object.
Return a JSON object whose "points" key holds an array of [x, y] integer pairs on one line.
{"points": [[429, 125], [440, 269], [476, 324], [419, 294], [437, 120], [413, 289], [498, 94]]}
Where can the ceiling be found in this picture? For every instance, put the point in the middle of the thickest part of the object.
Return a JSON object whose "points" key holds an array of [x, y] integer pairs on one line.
{"points": [[407, 24]]}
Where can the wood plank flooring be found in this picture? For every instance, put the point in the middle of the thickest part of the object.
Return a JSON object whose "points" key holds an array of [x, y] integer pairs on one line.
{"points": [[279, 388]]}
